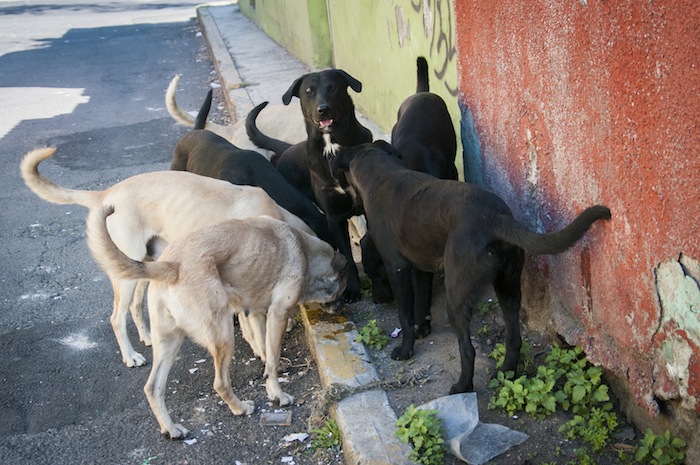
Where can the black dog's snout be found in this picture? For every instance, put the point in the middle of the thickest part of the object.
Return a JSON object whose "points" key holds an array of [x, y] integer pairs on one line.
{"points": [[323, 109]]}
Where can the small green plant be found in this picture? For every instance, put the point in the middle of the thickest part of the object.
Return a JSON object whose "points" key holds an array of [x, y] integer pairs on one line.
{"points": [[534, 395], [422, 429], [566, 380], [499, 354], [582, 458], [483, 330], [327, 436], [595, 430], [372, 336], [487, 306], [366, 287], [660, 450]]}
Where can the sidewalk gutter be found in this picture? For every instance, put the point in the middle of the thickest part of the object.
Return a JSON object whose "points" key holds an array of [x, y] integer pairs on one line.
{"points": [[252, 68]]}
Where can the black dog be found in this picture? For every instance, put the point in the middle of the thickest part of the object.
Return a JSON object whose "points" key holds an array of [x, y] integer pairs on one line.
{"points": [[329, 114], [420, 222], [423, 132], [425, 137], [205, 153]]}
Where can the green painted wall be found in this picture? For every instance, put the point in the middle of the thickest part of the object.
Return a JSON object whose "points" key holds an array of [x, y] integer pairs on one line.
{"points": [[301, 26]]}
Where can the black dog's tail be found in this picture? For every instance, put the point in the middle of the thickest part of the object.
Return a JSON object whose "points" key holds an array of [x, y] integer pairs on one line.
{"points": [[260, 139], [509, 230], [201, 119], [422, 84]]}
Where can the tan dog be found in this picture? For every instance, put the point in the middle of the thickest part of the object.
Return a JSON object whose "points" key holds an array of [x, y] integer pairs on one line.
{"points": [[256, 265], [151, 210], [279, 121]]}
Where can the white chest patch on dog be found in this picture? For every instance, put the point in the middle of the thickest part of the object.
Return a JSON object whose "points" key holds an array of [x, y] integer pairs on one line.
{"points": [[331, 148]]}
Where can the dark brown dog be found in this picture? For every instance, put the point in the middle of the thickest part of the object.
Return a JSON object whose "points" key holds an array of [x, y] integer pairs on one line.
{"points": [[420, 222], [329, 115]]}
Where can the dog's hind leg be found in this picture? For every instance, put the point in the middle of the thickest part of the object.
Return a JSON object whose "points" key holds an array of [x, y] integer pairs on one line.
{"points": [[507, 288], [460, 305], [167, 339], [123, 295], [253, 330], [221, 347], [276, 326], [137, 312]]}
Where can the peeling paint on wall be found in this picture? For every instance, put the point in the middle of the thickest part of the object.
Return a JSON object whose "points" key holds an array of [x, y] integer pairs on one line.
{"points": [[677, 340]]}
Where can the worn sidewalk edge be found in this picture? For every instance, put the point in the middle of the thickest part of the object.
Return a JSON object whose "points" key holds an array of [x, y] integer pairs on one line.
{"points": [[237, 99]]}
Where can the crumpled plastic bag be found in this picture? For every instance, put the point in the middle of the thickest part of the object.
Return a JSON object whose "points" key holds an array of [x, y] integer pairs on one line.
{"points": [[466, 437]]}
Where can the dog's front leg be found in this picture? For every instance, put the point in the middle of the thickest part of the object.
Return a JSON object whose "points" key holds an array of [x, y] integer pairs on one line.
{"points": [[339, 230], [276, 327], [401, 285], [423, 299]]}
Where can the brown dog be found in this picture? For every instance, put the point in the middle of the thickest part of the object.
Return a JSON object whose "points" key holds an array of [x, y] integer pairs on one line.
{"points": [[151, 210], [255, 265]]}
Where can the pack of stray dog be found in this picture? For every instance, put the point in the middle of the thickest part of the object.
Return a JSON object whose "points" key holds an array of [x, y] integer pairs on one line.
{"points": [[174, 229]]}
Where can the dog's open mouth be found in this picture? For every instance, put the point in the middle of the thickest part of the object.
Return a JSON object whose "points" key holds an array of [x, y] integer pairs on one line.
{"points": [[325, 125]]}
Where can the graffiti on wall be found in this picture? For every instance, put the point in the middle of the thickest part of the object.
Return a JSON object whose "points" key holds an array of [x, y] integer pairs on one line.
{"points": [[438, 24]]}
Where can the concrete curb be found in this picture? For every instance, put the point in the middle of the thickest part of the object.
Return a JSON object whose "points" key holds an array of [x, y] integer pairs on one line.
{"points": [[237, 99], [366, 419]]}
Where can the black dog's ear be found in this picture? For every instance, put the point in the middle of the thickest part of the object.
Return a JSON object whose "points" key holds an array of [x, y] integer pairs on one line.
{"points": [[293, 91], [353, 83]]}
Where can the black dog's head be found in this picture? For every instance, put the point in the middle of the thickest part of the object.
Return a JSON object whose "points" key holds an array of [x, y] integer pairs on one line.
{"points": [[324, 98], [341, 163]]}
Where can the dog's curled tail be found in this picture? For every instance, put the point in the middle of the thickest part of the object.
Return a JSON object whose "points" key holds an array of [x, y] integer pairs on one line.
{"points": [[260, 139], [115, 262], [184, 118], [422, 84], [554, 242], [47, 190]]}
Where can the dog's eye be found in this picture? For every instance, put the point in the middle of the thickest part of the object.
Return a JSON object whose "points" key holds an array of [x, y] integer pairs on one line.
{"points": [[332, 88], [309, 91]]}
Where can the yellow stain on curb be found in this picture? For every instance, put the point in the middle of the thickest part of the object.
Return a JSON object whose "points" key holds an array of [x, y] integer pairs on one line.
{"points": [[329, 336]]}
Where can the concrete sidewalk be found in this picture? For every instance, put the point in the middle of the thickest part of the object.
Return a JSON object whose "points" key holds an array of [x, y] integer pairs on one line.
{"points": [[253, 68]]}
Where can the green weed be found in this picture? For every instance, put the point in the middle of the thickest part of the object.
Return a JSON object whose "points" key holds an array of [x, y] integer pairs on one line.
{"points": [[422, 429], [372, 336]]}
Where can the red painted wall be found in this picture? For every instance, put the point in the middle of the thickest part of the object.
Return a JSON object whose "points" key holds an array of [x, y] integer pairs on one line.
{"points": [[577, 102]]}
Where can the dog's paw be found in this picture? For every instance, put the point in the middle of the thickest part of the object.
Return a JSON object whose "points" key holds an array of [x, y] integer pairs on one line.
{"points": [[352, 295], [248, 407], [134, 359], [458, 388], [285, 399], [400, 354], [175, 431], [423, 330], [146, 339]]}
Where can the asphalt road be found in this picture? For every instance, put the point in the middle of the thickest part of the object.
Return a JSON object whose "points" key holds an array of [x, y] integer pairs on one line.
{"points": [[88, 78]]}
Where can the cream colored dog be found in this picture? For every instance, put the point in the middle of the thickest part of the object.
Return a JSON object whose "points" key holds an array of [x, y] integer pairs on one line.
{"points": [[283, 122], [256, 265], [151, 210]]}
